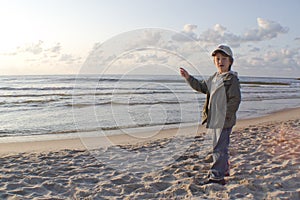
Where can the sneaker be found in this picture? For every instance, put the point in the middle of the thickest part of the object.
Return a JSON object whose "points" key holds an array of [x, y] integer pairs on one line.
{"points": [[209, 181]]}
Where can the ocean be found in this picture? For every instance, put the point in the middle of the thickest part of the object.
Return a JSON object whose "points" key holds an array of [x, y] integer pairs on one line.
{"points": [[67, 104]]}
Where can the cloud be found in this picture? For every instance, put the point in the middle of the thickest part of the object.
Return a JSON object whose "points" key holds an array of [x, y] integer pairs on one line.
{"points": [[147, 38], [39, 53], [273, 62], [34, 48], [55, 49], [69, 58], [102, 54], [189, 28], [144, 47], [255, 49], [219, 34], [151, 37], [266, 30], [132, 48], [186, 34], [281, 57]]}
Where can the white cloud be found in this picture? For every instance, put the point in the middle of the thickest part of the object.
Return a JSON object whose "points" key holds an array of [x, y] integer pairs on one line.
{"points": [[255, 49], [186, 34], [69, 58], [273, 62], [144, 47], [34, 48], [252, 57], [55, 49], [281, 57], [41, 55], [189, 29], [266, 30], [219, 34], [148, 38], [133, 48]]}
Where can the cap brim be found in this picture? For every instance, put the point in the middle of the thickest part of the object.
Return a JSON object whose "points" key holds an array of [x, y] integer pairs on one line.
{"points": [[219, 50]]}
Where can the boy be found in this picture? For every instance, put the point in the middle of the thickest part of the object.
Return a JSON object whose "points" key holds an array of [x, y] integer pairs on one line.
{"points": [[223, 97]]}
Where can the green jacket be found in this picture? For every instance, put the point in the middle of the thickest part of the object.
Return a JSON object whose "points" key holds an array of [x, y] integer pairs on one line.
{"points": [[222, 103]]}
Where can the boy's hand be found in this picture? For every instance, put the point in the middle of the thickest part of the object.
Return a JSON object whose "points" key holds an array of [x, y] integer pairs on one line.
{"points": [[184, 73]]}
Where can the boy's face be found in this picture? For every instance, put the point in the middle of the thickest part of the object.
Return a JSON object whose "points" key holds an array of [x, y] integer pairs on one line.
{"points": [[222, 62]]}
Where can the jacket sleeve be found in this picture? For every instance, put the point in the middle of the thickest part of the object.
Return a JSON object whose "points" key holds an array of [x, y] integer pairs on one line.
{"points": [[233, 97], [197, 85]]}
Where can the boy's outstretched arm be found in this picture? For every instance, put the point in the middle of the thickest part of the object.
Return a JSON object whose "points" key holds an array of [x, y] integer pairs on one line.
{"points": [[197, 85]]}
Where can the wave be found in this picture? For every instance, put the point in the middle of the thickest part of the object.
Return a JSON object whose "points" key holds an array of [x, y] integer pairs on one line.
{"points": [[11, 133], [117, 78], [130, 126], [265, 98], [71, 93], [80, 105], [139, 92], [140, 125], [141, 80], [277, 92], [29, 103], [35, 88], [92, 94], [264, 83], [35, 95]]}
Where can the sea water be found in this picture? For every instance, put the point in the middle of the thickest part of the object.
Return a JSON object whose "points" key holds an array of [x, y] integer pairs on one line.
{"points": [[68, 104]]}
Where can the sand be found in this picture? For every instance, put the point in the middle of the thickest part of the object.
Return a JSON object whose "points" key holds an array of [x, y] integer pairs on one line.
{"points": [[264, 156]]}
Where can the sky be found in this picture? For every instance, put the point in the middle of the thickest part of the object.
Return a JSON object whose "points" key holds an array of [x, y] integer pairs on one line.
{"points": [[64, 36]]}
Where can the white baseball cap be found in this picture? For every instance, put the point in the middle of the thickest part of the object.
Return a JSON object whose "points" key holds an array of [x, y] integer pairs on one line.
{"points": [[223, 48]]}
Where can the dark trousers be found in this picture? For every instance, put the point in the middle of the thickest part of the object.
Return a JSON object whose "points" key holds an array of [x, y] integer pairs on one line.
{"points": [[220, 153]]}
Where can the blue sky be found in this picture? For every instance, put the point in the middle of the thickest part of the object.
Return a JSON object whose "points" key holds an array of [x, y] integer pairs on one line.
{"points": [[57, 36]]}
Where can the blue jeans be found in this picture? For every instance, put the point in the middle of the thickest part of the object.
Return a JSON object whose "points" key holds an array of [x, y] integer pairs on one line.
{"points": [[220, 153]]}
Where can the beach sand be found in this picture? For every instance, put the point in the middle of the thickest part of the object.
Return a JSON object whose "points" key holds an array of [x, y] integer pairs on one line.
{"points": [[264, 162]]}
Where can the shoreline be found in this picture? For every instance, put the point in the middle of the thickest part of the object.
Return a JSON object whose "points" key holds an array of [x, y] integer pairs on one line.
{"points": [[87, 143]]}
